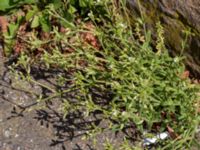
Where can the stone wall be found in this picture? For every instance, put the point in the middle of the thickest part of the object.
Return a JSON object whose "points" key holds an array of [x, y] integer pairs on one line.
{"points": [[176, 16]]}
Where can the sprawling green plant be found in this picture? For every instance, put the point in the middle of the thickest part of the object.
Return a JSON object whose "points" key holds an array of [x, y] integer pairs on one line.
{"points": [[119, 75]]}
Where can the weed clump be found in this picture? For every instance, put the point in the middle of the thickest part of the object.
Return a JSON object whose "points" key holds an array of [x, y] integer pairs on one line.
{"points": [[115, 72]]}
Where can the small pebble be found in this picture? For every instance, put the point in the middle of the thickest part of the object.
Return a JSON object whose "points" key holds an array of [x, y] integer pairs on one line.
{"points": [[7, 79], [7, 133], [19, 148], [17, 135]]}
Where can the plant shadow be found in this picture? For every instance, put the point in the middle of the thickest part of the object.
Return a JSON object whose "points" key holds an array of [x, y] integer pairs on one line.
{"points": [[71, 128]]}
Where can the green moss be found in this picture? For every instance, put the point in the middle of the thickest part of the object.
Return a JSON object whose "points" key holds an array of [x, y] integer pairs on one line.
{"points": [[173, 34]]}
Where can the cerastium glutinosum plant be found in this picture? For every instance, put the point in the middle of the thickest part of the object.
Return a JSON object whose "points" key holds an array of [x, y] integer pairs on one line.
{"points": [[119, 76]]}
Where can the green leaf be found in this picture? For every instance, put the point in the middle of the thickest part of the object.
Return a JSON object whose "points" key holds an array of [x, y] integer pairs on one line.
{"points": [[46, 25], [36, 22], [57, 4], [71, 9], [67, 24], [13, 27], [8, 4], [30, 1], [31, 13], [4, 4], [68, 16], [83, 3]]}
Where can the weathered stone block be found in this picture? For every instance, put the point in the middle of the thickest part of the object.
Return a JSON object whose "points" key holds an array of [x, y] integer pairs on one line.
{"points": [[176, 16]]}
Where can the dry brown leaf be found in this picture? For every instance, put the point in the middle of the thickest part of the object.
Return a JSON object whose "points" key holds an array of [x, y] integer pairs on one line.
{"points": [[172, 133], [3, 24], [185, 74], [89, 37]]}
